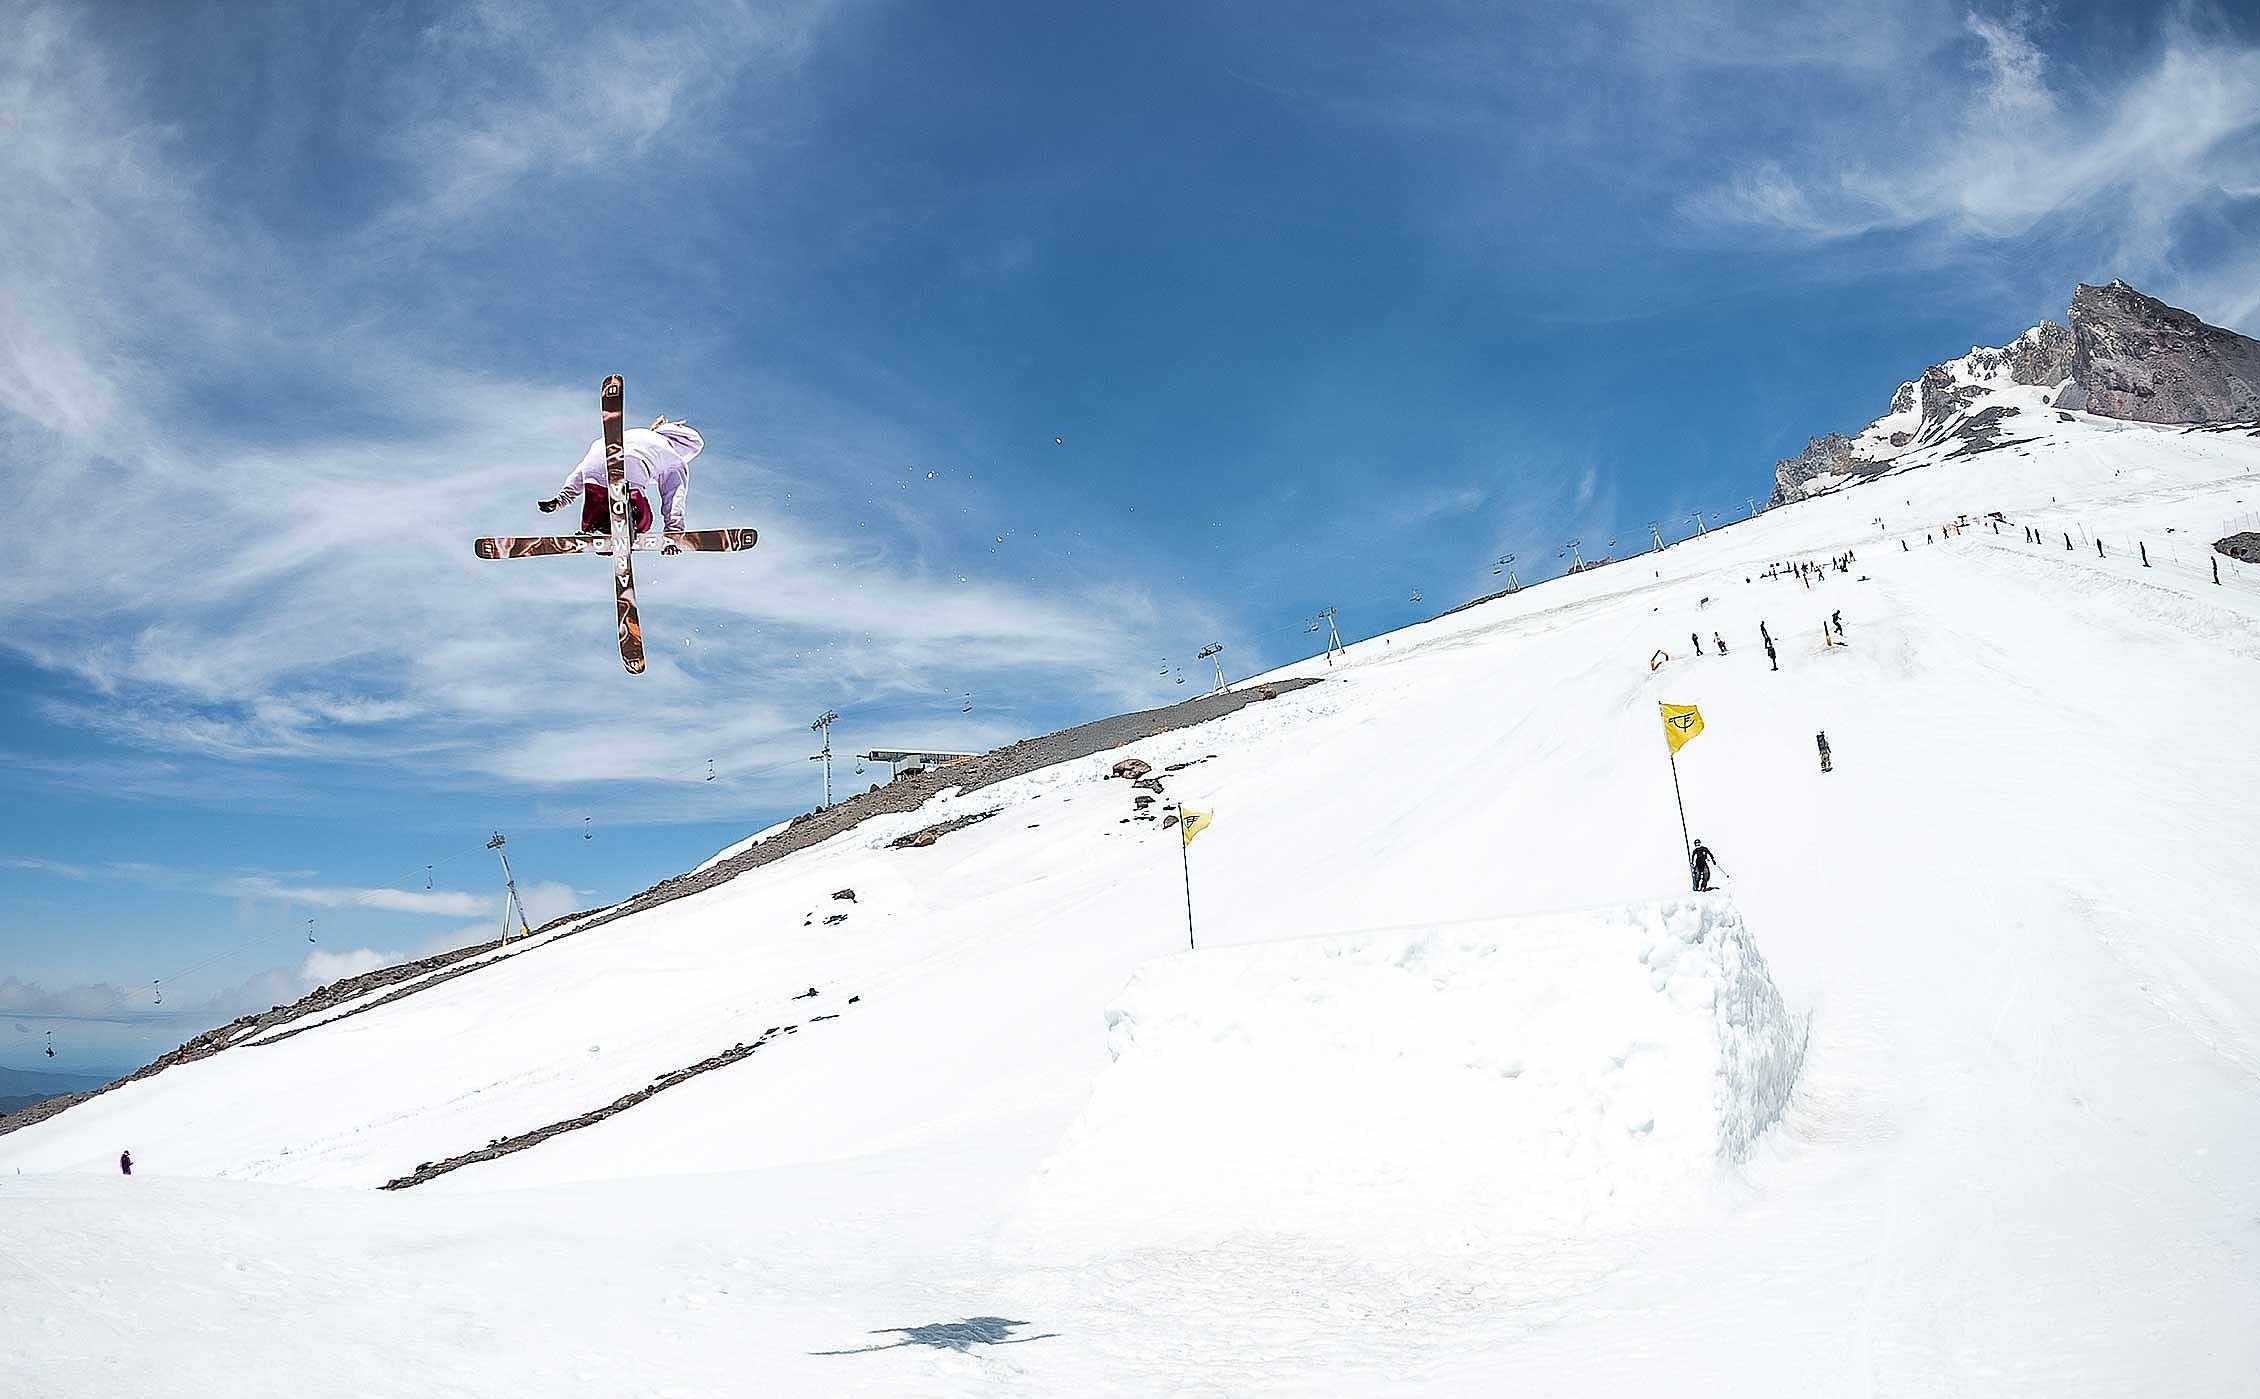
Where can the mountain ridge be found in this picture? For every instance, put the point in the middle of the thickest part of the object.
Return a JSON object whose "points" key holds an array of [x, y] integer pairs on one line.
{"points": [[2123, 355]]}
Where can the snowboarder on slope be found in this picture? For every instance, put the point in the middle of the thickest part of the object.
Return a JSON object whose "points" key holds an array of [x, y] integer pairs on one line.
{"points": [[1719, 641], [657, 460], [1704, 860], [125, 1163]]}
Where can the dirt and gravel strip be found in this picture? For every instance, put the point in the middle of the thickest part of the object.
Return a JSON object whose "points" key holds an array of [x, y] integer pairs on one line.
{"points": [[901, 795], [910, 793], [505, 1146]]}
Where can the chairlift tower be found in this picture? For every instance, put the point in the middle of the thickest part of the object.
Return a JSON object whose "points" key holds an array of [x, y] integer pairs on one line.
{"points": [[1657, 535], [1697, 517], [1333, 636], [1215, 652], [1753, 502], [823, 725], [1575, 556], [511, 902], [1507, 562]]}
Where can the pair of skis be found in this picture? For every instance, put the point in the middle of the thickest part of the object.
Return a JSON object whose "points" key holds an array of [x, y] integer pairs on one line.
{"points": [[622, 542], [534, 546]]}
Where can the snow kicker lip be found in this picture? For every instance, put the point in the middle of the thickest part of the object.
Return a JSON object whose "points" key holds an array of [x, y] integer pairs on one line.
{"points": [[1571, 1075]]}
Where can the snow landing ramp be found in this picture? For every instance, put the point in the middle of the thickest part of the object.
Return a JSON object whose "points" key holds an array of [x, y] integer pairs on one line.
{"points": [[1411, 1091]]}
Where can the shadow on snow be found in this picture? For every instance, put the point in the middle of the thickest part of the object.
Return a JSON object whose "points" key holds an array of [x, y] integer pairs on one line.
{"points": [[949, 1335]]}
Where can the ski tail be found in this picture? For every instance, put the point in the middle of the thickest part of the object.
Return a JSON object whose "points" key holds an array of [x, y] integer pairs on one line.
{"points": [[631, 626], [623, 525]]}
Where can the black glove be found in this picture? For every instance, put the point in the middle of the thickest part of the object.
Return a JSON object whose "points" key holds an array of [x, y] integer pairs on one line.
{"points": [[671, 549], [546, 506]]}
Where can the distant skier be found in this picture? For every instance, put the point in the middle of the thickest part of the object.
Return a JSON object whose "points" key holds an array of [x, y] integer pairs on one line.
{"points": [[1764, 635], [1770, 655], [657, 460], [125, 1163], [1836, 620], [1698, 642], [1719, 641], [1704, 860]]}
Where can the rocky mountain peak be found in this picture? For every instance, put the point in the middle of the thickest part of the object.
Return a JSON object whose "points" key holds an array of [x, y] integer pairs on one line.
{"points": [[2139, 359], [2123, 355]]}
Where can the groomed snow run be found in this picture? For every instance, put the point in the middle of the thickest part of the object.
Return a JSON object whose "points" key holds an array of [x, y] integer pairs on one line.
{"points": [[2017, 923]]}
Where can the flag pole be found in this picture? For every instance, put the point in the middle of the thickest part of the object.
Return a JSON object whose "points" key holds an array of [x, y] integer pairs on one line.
{"points": [[1185, 859], [1686, 846]]}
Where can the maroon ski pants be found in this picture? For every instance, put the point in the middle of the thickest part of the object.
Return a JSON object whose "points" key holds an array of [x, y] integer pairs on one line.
{"points": [[596, 510]]}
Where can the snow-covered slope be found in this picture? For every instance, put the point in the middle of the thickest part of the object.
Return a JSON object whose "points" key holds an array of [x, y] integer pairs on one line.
{"points": [[2017, 1157]]}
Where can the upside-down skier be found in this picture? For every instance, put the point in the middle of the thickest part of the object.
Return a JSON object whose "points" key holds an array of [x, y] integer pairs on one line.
{"points": [[657, 460]]}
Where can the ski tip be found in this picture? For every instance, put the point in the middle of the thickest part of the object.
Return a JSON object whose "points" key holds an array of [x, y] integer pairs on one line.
{"points": [[633, 663], [613, 387]]}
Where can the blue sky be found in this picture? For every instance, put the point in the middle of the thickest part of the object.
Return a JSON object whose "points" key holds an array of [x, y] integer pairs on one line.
{"points": [[1043, 344]]}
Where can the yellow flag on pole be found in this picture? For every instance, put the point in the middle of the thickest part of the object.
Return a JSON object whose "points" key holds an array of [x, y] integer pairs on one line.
{"points": [[1681, 723], [1194, 823]]}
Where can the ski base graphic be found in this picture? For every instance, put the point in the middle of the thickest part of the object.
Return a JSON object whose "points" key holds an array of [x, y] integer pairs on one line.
{"points": [[532, 546]]}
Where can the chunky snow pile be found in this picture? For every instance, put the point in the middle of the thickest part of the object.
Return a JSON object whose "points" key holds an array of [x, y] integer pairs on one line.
{"points": [[1410, 1091]]}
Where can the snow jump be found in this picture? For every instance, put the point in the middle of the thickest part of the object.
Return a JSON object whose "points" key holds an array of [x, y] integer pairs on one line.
{"points": [[615, 483]]}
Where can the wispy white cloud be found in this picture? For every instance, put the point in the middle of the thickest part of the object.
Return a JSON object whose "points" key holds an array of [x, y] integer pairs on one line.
{"points": [[285, 888], [33, 863], [260, 601], [497, 94], [1426, 507], [2018, 144], [435, 902]]}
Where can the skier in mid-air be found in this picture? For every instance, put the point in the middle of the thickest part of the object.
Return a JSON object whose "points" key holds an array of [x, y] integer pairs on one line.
{"points": [[1704, 860], [657, 461]]}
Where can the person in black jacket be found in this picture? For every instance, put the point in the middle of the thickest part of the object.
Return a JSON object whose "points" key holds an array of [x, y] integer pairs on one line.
{"points": [[1704, 861], [125, 1163]]}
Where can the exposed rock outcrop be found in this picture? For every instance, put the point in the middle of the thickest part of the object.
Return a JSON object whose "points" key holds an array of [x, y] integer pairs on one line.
{"points": [[2124, 355], [1823, 456], [2042, 355], [2139, 359]]}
